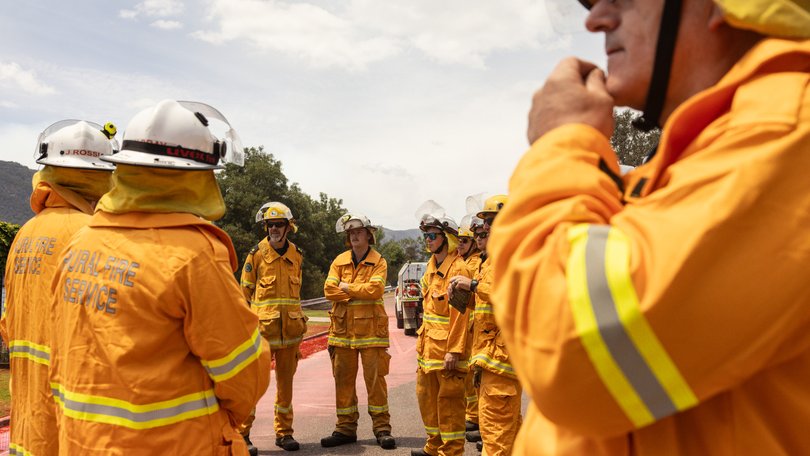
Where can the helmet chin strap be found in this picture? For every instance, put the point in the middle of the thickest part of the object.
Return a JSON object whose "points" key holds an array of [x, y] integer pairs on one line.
{"points": [[659, 81]]}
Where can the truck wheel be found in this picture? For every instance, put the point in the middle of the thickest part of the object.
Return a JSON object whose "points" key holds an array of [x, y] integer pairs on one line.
{"points": [[400, 321], [410, 331]]}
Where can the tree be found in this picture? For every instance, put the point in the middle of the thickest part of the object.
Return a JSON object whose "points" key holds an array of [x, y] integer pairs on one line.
{"points": [[631, 145], [397, 253], [262, 180], [7, 233]]}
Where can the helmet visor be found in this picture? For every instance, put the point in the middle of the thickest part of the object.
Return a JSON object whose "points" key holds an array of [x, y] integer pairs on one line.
{"points": [[235, 152]]}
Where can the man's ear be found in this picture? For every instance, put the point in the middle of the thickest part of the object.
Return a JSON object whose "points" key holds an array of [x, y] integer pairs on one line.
{"points": [[717, 18]]}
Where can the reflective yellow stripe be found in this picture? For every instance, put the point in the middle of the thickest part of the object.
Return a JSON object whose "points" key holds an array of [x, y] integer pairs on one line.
{"points": [[484, 360], [365, 302], [118, 412], [434, 364], [281, 409], [433, 318], [357, 343], [276, 302], [484, 310], [347, 410], [377, 279], [617, 254], [334, 280], [471, 399], [24, 349], [226, 367], [625, 352], [17, 449], [378, 408], [248, 284], [452, 435], [430, 430]]}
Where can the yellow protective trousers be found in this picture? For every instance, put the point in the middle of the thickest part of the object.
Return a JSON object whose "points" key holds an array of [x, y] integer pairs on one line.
{"points": [[499, 413], [442, 405], [470, 391], [375, 361], [286, 359]]}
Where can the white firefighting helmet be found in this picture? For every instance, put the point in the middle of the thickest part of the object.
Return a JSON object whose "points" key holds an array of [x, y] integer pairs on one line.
{"points": [[276, 211], [175, 135], [430, 213], [77, 144], [351, 221]]}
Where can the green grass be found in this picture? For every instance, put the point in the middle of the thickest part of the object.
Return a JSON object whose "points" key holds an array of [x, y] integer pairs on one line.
{"points": [[5, 396], [316, 313]]}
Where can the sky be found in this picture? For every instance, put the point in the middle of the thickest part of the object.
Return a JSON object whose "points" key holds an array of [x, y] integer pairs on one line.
{"points": [[382, 103]]}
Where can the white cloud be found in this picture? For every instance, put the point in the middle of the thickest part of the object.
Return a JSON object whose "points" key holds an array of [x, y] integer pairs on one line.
{"points": [[359, 32], [19, 142], [8, 104], [153, 8], [166, 25], [12, 74], [301, 30]]}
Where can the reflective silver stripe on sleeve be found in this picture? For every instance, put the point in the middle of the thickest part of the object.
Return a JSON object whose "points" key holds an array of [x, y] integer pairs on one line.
{"points": [[621, 347], [248, 352]]}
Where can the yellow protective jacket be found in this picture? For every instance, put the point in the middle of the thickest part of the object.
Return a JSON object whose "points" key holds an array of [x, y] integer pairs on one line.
{"points": [[444, 329], [489, 347], [31, 264], [272, 285], [668, 315], [154, 349], [358, 317]]}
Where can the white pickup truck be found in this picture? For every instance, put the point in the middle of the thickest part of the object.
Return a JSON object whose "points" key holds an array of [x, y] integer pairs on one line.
{"points": [[409, 297]]}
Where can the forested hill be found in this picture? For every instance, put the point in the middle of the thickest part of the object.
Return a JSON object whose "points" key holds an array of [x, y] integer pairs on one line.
{"points": [[15, 186]]}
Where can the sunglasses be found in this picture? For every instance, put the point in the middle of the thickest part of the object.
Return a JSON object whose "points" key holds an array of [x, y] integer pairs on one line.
{"points": [[275, 224], [481, 235], [431, 236], [464, 240], [489, 220]]}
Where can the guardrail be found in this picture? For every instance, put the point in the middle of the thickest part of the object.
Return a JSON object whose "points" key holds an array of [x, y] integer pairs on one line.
{"points": [[314, 302]]}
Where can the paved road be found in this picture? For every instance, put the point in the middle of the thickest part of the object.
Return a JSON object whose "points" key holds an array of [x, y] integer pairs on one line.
{"points": [[314, 404]]}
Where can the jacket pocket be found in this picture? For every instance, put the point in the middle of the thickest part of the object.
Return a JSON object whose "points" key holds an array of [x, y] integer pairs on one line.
{"points": [[436, 343], [295, 325], [270, 326], [295, 287], [499, 352], [266, 288], [363, 324], [337, 324], [381, 320]]}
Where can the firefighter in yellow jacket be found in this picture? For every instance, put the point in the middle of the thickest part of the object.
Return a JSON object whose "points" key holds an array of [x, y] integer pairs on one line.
{"points": [[359, 327], [499, 389], [271, 282], [665, 311], [65, 194], [154, 350], [441, 343], [469, 252]]}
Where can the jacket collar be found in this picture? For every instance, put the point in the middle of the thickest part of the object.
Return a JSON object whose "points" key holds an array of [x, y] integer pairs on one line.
{"points": [[371, 259]]}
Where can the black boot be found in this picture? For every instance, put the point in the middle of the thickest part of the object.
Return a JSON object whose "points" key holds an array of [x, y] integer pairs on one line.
{"points": [[337, 439], [419, 452], [252, 450], [470, 426], [473, 436], [288, 443], [479, 446], [386, 441]]}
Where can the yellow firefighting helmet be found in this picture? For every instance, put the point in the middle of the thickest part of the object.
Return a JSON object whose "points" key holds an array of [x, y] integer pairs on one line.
{"points": [[784, 18], [492, 206], [276, 211], [468, 225], [351, 221]]}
